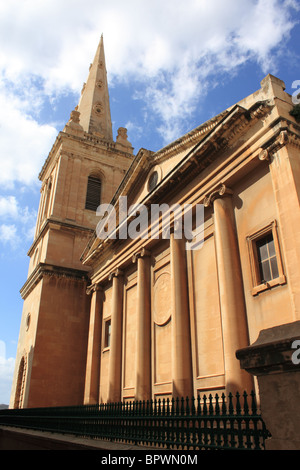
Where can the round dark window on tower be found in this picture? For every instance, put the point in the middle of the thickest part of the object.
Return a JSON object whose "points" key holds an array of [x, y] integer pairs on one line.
{"points": [[153, 180]]}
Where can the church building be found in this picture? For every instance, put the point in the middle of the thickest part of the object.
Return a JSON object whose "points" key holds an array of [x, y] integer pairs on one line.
{"points": [[120, 305]]}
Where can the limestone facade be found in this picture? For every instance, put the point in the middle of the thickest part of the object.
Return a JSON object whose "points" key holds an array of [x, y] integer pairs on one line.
{"points": [[154, 316]]}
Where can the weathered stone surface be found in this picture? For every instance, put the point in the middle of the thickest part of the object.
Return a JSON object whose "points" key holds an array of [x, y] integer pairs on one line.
{"points": [[176, 310], [270, 358]]}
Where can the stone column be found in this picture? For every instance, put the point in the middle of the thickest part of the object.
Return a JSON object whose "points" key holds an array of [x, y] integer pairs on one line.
{"points": [[143, 352], [231, 290], [282, 156], [92, 377], [275, 360], [181, 335], [115, 355]]}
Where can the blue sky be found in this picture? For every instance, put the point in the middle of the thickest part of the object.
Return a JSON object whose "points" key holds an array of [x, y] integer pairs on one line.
{"points": [[172, 65]]}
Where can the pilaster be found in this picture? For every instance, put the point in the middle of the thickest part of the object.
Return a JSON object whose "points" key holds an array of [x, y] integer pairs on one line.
{"points": [[115, 357], [92, 377], [282, 156]]}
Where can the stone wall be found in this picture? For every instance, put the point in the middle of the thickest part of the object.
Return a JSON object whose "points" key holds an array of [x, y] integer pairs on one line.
{"points": [[274, 360]]}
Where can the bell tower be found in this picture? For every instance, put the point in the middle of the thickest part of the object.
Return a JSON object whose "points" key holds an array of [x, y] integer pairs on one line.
{"points": [[83, 169]]}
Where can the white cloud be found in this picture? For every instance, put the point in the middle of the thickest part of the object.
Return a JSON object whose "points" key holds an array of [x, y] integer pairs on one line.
{"points": [[6, 377], [24, 143], [10, 209], [133, 128], [271, 23], [8, 206], [18, 223], [171, 47], [143, 38], [176, 48], [9, 235], [7, 366]]}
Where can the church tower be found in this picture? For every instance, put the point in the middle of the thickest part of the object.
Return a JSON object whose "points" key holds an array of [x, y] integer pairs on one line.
{"points": [[83, 169]]}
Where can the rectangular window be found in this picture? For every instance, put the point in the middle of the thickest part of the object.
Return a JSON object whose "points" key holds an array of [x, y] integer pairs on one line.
{"points": [[107, 333], [265, 259]]}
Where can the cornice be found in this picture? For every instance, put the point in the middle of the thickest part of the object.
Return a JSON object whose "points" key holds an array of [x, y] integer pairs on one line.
{"points": [[223, 134], [49, 270], [285, 135], [84, 139], [188, 139]]}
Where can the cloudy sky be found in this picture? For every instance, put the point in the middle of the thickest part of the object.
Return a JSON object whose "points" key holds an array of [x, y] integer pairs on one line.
{"points": [[171, 66]]}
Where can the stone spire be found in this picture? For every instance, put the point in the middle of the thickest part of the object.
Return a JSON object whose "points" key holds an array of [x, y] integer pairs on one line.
{"points": [[94, 107]]}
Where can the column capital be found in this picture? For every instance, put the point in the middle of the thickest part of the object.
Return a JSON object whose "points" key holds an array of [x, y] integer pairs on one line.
{"points": [[116, 273], [175, 227], [221, 191], [282, 139], [94, 288], [143, 253], [264, 155]]}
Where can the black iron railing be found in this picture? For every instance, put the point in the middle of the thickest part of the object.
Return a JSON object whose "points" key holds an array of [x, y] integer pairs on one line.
{"points": [[217, 422]]}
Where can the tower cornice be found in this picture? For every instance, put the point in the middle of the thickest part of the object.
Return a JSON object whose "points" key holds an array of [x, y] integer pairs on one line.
{"points": [[84, 139], [44, 269]]}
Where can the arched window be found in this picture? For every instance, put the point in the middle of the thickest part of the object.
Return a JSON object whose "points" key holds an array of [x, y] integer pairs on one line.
{"points": [[20, 384], [93, 194]]}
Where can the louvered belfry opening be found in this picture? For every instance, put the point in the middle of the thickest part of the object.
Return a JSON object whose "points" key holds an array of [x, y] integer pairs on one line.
{"points": [[93, 195]]}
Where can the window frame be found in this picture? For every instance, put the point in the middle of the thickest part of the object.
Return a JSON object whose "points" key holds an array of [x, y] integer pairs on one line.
{"points": [[106, 335], [257, 285], [155, 170], [88, 201], [152, 185]]}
